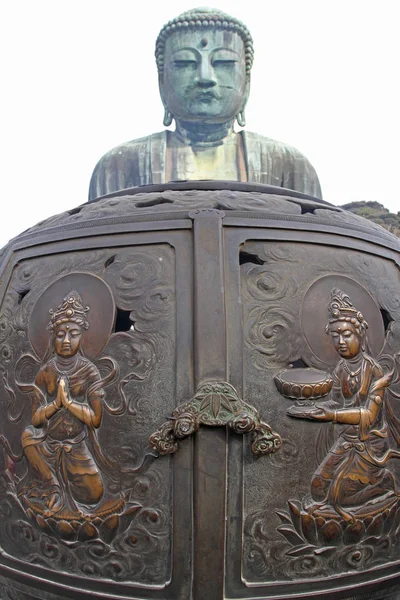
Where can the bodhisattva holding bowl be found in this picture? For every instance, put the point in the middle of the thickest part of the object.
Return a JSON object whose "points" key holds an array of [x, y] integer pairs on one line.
{"points": [[354, 478]]}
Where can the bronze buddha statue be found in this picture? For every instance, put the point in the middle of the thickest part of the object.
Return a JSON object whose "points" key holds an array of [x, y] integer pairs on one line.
{"points": [[204, 58]]}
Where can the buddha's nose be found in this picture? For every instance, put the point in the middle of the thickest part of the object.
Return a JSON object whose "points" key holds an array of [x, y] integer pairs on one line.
{"points": [[205, 74]]}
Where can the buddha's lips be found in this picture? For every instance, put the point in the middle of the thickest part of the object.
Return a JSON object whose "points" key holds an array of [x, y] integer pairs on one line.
{"points": [[206, 96]]}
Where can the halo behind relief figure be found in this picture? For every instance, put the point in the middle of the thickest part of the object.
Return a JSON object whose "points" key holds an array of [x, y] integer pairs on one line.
{"points": [[95, 294]]}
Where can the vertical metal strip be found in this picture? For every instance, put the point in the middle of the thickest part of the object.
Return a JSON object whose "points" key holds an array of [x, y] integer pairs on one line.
{"points": [[210, 443]]}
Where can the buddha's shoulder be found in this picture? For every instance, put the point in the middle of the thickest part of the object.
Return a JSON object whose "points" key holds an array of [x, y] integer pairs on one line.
{"points": [[270, 145], [135, 147], [46, 372]]}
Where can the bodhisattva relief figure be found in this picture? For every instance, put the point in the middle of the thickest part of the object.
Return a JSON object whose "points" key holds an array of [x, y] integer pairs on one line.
{"points": [[64, 476], [204, 58], [354, 479]]}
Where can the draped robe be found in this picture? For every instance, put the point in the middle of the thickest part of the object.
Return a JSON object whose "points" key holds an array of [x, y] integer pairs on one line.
{"points": [[144, 162], [351, 475], [61, 443]]}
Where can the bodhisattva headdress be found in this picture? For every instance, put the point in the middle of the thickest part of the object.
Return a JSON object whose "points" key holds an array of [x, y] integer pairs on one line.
{"points": [[204, 18], [341, 309], [72, 310]]}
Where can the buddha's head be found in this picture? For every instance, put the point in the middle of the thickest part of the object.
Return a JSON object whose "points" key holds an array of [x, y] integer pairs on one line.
{"points": [[347, 326], [68, 323], [67, 339], [204, 58]]}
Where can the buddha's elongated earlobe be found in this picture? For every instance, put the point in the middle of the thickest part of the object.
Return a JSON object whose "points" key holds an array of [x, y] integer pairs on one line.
{"points": [[241, 119], [167, 117]]}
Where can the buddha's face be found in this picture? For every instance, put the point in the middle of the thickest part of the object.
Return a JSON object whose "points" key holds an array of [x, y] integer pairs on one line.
{"points": [[345, 338], [67, 339], [204, 75]]}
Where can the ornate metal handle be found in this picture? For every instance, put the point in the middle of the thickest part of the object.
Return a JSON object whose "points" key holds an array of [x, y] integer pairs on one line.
{"points": [[216, 404]]}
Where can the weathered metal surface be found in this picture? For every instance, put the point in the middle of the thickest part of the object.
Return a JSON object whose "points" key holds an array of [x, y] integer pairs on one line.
{"points": [[204, 58], [215, 404], [207, 295]]}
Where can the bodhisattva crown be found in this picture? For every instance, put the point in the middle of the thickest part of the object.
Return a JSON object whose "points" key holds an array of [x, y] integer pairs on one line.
{"points": [[342, 309], [72, 310]]}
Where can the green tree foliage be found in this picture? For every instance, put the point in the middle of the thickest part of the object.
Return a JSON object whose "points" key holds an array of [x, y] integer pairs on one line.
{"points": [[376, 212]]}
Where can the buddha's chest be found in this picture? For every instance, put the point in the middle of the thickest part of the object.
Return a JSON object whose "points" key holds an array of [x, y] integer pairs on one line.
{"points": [[221, 162]]}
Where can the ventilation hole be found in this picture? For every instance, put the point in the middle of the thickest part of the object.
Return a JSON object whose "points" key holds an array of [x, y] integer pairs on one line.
{"points": [[154, 202], [74, 211], [109, 261], [387, 318], [246, 257], [306, 208], [123, 321], [21, 295], [299, 364]]}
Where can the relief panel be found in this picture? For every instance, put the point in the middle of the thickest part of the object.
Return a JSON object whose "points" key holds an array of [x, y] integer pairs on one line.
{"points": [[321, 361], [87, 363]]}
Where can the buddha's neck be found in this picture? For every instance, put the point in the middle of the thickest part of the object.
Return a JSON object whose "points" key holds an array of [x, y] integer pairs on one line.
{"points": [[66, 362], [203, 135], [356, 360]]}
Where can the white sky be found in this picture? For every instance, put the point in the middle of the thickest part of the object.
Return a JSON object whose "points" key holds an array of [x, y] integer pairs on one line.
{"points": [[79, 77]]}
